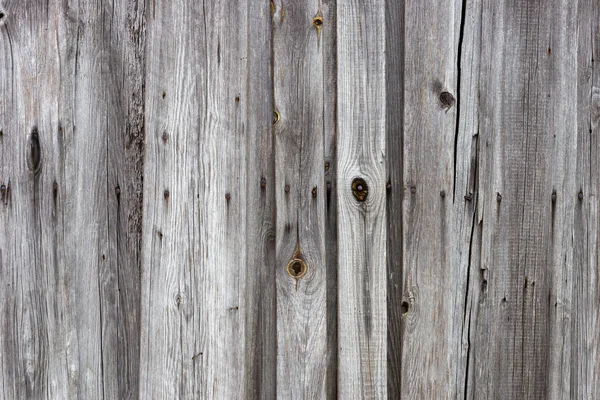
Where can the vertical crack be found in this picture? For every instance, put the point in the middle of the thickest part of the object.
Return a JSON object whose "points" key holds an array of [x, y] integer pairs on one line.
{"points": [[458, 67], [466, 303]]}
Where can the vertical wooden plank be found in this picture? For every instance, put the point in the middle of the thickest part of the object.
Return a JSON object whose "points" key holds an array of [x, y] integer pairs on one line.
{"points": [[394, 102], [261, 323], [328, 36], [581, 355], [300, 195], [123, 80], [261, 342], [70, 325], [361, 199], [36, 319], [194, 260], [433, 192], [520, 343]]}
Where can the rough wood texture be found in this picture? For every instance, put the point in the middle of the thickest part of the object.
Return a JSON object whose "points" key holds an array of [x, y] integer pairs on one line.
{"points": [[193, 280], [435, 166], [300, 198], [261, 321], [361, 155], [72, 128]]}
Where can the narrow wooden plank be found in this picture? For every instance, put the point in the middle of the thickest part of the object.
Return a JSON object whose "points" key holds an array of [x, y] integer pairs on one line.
{"points": [[328, 37], [361, 181], [520, 340], [194, 254], [580, 355], [394, 89], [437, 200], [300, 195], [123, 81], [261, 323], [70, 325]]}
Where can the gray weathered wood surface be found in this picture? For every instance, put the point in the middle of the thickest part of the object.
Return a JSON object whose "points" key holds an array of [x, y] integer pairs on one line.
{"points": [[308, 199]]}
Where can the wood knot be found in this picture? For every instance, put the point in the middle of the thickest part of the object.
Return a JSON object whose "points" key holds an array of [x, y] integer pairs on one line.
{"points": [[447, 100], [360, 189], [318, 22], [296, 268], [404, 307]]}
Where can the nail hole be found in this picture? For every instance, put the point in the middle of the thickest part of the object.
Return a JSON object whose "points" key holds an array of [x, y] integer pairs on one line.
{"points": [[413, 189], [360, 189], [263, 182], [498, 197], [326, 166], [227, 196], [580, 195], [318, 21], [314, 192], [296, 268], [443, 193], [164, 94], [165, 137], [554, 196], [287, 188], [166, 194], [276, 117], [404, 307]]}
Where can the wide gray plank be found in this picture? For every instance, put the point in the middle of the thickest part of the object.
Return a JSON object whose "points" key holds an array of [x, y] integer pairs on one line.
{"points": [[194, 269], [300, 198], [70, 326], [521, 302], [361, 178]]}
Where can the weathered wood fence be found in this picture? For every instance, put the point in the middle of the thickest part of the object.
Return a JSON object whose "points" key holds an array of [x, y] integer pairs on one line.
{"points": [[239, 199]]}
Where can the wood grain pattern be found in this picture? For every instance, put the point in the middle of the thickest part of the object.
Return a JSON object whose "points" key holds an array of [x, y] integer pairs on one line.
{"points": [[434, 165], [527, 145], [362, 224], [194, 269], [432, 273], [261, 319], [300, 198], [72, 128]]}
